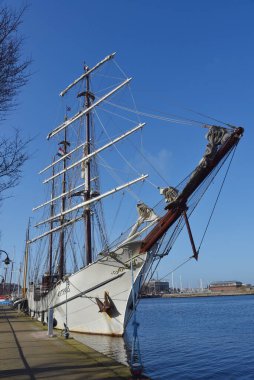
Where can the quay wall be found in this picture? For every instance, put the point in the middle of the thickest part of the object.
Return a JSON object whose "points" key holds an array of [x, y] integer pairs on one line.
{"points": [[208, 294]]}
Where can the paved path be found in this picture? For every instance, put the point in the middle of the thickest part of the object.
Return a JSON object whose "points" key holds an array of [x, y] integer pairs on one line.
{"points": [[26, 352]]}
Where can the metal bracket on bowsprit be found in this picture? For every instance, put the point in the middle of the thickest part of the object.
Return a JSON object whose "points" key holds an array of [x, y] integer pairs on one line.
{"points": [[195, 252]]}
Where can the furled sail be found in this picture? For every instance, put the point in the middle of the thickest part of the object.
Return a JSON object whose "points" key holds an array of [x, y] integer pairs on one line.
{"points": [[146, 214]]}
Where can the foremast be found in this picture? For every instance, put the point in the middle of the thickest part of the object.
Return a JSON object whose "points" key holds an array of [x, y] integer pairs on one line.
{"points": [[179, 206], [87, 172], [65, 216]]}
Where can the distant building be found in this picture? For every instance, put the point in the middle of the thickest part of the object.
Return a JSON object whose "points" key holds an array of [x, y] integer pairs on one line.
{"points": [[226, 286], [155, 287]]}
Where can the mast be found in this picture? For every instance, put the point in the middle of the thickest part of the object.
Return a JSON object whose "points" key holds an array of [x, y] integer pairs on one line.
{"points": [[87, 174], [10, 288], [26, 260], [88, 198], [63, 202], [50, 252]]}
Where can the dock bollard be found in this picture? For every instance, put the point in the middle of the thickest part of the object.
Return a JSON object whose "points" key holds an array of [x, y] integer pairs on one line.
{"points": [[50, 322]]}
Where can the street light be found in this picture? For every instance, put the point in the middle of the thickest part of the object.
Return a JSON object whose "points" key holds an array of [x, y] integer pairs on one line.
{"points": [[7, 260], [3, 283]]}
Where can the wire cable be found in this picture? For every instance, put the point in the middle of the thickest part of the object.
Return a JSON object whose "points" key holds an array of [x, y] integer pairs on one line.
{"points": [[217, 198]]}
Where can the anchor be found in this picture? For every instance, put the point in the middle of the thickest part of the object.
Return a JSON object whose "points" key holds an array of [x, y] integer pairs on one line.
{"points": [[106, 305]]}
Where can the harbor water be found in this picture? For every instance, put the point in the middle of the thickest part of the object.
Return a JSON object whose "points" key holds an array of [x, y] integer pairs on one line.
{"points": [[189, 338]]}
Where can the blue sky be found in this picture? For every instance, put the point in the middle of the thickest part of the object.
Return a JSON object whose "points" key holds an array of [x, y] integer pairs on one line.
{"points": [[182, 54]]}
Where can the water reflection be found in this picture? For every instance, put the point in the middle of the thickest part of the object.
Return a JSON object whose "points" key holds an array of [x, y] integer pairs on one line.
{"points": [[115, 347]]}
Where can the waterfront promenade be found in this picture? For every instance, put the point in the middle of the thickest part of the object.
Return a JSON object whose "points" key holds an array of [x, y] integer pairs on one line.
{"points": [[28, 353]]}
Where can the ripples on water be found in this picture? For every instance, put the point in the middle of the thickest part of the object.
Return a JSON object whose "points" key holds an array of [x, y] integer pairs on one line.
{"points": [[189, 338]]}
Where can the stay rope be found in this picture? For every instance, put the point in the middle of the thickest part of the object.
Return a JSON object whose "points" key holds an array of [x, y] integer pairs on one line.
{"points": [[157, 117], [177, 267], [217, 198], [165, 118], [209, 220]]}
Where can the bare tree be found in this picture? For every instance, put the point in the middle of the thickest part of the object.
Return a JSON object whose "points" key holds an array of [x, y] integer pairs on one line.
{"points": [[13, 70], [12, 158], [13, 75]]}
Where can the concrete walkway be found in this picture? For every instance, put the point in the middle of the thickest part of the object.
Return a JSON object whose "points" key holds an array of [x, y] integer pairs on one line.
{"points": [[26, 352]]}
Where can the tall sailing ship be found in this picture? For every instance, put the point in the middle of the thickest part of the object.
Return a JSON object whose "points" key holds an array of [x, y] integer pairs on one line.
{"points": [[96, 291]]}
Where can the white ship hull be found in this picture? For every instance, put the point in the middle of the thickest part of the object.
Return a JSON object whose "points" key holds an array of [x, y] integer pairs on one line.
{"points": [[74, 300]]}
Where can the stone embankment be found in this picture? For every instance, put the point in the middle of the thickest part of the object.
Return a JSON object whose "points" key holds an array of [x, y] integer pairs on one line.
{"points": [[208, 294]]}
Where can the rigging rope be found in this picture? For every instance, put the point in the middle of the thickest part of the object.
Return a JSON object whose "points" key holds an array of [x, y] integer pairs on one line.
{"points": [[209, 117], [116, 214], [118, 115], [217, 198], [122, 156], [185, 108], [177, 231], [179, 266], [142, 154], [164, 118], [119, 68]]}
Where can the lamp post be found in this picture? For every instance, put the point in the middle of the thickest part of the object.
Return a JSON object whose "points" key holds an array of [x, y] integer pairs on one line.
{"points": [[7, 260], [2, 282]]}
